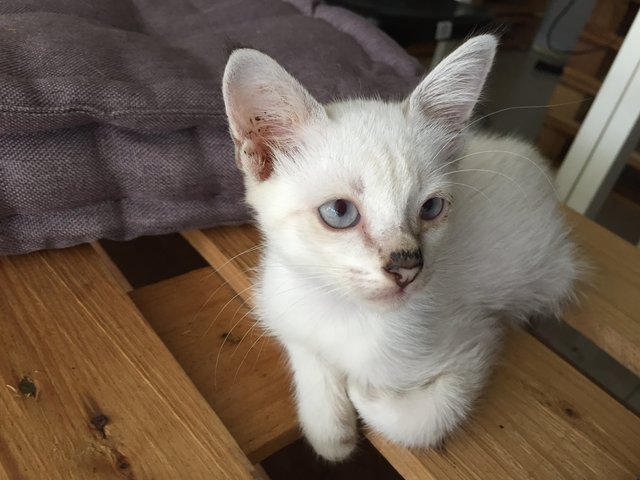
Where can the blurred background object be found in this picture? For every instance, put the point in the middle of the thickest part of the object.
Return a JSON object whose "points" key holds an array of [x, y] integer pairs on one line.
{"points": [[553, 59]]}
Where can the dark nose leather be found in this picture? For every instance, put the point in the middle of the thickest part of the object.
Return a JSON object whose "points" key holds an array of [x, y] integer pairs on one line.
{"points": [[404, 266]]}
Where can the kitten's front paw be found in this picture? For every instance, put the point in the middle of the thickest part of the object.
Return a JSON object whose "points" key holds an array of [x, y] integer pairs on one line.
{"points": [[335, 449]]}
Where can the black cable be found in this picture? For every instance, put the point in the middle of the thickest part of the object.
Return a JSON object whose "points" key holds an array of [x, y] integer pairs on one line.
{"points": [[554, 24]]}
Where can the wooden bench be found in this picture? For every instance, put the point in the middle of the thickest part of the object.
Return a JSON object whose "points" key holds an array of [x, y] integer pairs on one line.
{"points": [[71, 330]]}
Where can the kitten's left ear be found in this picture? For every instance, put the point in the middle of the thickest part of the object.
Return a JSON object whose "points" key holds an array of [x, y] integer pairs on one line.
{"points": [[266, 108], [451, 90]]}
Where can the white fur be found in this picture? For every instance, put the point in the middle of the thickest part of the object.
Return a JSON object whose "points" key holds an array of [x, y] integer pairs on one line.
{"points": [[412, 363]]}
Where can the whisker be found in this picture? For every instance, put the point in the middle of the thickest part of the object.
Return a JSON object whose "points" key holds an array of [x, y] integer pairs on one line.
{"points": [[224, 307], [317, 288], [540, 169], [206, 302], [519, 107], [472, 188], [489, 171], [527, 107], [266, 339], [246, 333], [318, 275], [217, 271], [242, 305], [258, 246], [245, 356], [224, 341]]}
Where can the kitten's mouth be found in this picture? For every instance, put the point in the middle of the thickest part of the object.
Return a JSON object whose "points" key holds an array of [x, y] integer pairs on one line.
{"points": [[390, 295]]}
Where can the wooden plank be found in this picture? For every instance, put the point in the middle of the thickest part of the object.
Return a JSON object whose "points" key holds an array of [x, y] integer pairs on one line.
{"points": [[602, 38], [538, 419], [568, 127], [241, 243], [609, 309], [211, 333], [568, 104], [594, 63], [88, 390], [581, 81], [114, 271], [232, 251], [608, 15]]}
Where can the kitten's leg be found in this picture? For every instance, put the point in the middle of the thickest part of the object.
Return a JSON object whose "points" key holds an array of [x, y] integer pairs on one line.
{"points": [[421, 417], [325, 412]]}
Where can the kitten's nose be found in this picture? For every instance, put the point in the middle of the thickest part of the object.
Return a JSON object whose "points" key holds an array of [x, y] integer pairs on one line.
{"points": [[404, 266]]}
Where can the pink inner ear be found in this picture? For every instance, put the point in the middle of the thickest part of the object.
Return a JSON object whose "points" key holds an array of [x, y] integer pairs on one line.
{"points": [[249, 132], [266, 108], [261, 163], [264, 140], [259, 135]]}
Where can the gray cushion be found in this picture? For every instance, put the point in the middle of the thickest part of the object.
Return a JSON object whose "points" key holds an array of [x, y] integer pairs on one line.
{"points": [[111, 118]]}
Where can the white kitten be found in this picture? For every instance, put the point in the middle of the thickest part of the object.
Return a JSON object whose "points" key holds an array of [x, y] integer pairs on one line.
{"points": [[396, 244]]}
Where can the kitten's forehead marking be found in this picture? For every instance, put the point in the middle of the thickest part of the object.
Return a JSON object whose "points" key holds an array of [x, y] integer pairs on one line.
{"points": [[357, 186]]}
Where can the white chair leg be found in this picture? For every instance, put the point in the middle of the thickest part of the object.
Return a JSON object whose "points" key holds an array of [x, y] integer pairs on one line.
{"points": [[608, 134]]}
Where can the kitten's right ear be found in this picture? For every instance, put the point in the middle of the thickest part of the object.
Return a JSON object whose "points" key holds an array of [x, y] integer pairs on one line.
{"points": [[266, 108], [451, 90]]}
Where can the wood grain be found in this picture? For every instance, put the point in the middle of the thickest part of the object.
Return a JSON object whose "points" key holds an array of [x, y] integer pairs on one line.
{"points": [[232, 251], [568, 104], [568, 127], [603, 38], [72, 348], [609, 309], [580, 81], [109, 264], [209, 330], [538, 419]]}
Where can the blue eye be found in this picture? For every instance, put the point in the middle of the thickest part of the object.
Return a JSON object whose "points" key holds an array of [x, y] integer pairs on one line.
{"points": [[432, 208], [339, 213]]}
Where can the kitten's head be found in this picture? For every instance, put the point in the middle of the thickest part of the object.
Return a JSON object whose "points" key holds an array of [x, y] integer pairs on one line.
{"points": [[354, 195]]}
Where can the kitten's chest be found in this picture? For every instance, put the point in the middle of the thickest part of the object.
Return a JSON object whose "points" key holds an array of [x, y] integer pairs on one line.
{"points": [[356, 351], [350, 340]]}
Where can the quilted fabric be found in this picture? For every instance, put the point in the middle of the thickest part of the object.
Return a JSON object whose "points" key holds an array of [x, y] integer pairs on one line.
{"points": [[111, 117]]}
